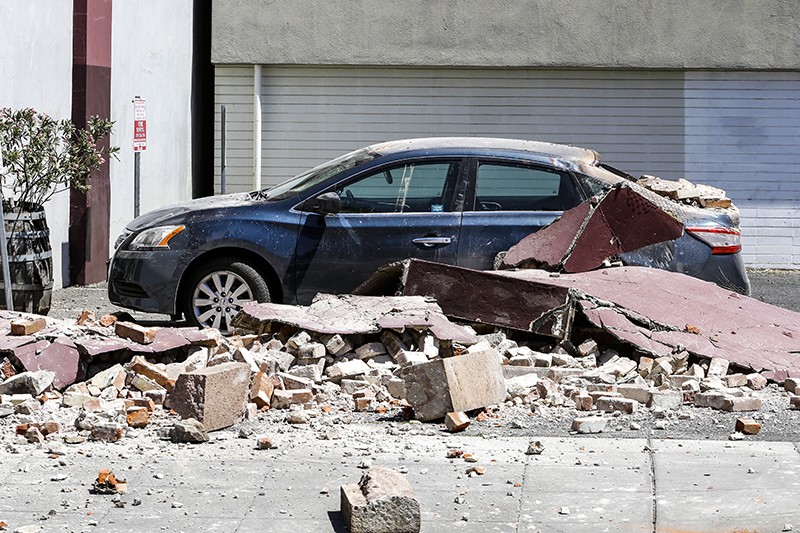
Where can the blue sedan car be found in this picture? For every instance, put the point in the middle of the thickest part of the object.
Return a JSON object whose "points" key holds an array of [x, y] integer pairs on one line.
{"points": [[458, 201]]}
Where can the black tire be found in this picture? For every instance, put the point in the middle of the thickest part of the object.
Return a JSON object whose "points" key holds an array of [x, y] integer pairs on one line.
{"points": [[238, 281]]}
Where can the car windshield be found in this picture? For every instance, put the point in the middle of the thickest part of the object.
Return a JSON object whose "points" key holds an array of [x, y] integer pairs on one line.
{"points": [[316, 175]]}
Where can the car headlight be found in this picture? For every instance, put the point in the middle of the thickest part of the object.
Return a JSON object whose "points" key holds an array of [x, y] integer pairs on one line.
{"points": [[155, 238]]}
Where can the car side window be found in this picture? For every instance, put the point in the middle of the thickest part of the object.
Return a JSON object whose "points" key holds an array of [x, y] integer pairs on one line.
{"points": [[516, 187], [409, 188]]}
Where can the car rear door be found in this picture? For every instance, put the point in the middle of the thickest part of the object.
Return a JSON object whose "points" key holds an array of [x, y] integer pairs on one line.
{"points": [[508, 199], [399, 210]]}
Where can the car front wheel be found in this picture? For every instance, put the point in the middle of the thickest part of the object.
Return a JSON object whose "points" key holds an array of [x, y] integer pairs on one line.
{"points": [[216, 293]]}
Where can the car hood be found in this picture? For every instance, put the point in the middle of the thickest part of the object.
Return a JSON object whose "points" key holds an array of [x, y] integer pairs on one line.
{"points": [[177, 211]]}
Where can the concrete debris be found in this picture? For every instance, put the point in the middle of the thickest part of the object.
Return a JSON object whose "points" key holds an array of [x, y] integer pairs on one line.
{"points": [[215, 396], [744, 331], [686, 192], [621, 220], [463, 383], [381, 502], [189, 430]]}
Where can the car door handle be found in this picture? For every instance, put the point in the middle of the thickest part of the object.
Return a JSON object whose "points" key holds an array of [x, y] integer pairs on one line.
{"points": [[430, 242]]}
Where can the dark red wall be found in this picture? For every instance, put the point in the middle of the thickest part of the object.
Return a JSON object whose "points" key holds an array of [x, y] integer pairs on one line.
{"points": [[89, 216]]}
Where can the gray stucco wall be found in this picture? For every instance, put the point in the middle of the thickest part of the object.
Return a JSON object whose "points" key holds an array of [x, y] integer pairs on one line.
{"points": [[675, 34]]}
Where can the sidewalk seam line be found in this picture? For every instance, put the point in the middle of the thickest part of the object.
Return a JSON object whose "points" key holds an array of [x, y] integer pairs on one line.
{"points": [[651, 456], [522, 492]]}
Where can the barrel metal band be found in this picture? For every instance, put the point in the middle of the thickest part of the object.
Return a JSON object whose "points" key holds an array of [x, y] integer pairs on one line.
{"points": [[29, 257]]}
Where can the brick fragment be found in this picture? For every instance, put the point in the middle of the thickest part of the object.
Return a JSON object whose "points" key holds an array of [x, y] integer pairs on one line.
{"points": [[717, 367], [27, 326], [610, 404], [456, 421], [583, 402], [108, 320], [589, 424], [283, 399], [748, 426], [261, 390], [741, 403], [640, 393], [363, 403], [756, 381], [794, 402], [792, 385], [138, 418], [135, 332], [734, 380], [264, 443], [665, 399], [587, 348], [143, 367]]}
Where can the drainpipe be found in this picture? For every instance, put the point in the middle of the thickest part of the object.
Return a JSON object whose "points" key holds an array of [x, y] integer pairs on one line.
{"points": [[257, 127]]}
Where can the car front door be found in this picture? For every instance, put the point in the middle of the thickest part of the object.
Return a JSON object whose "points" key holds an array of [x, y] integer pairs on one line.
{"points": [[402, 210], [508, 200]]}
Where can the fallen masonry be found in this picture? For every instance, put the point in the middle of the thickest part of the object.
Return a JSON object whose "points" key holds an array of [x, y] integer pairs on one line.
{"points": [[441, 360]]}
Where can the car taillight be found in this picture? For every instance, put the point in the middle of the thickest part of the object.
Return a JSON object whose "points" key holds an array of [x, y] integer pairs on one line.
{"points": [[721, 240]]}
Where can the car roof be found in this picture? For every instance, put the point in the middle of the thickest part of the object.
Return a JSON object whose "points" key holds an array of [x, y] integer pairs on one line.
{"points": [[560, 151]]}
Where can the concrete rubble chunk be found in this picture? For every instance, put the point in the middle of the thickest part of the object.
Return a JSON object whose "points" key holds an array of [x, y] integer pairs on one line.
{"points": [[460, 383], [33, 383], [113, 376], [347, 369], [589, 424], [189, 430], [381, 502], [216, 396]]}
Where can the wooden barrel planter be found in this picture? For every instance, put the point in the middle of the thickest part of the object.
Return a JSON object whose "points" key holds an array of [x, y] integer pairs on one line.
{"points": [[30, 258]]}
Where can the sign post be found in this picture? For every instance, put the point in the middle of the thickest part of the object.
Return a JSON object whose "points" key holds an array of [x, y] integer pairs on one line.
{"points": [[139, 145], [4, 247]]}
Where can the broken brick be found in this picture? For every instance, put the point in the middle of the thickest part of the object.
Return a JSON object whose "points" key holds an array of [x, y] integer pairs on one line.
{"points": [[610, 404], [592, 424], [456, 422], [27, 326], [283, 399], [261, 390], [135, 332], [138, 418], [143, 367], [748, 426]]}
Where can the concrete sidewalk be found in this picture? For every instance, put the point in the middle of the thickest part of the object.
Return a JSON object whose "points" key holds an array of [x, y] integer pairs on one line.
{"points": [[576, 484]]}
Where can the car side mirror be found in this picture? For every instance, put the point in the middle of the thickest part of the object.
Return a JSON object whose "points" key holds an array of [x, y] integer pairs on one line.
{"points": [[328, 203]]}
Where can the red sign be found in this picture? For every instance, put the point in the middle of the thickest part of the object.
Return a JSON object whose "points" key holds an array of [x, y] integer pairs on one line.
{"points": [[139, 125]]}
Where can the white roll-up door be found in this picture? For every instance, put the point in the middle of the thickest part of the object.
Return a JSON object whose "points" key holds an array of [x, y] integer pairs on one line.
{"points": [[743, 135]]}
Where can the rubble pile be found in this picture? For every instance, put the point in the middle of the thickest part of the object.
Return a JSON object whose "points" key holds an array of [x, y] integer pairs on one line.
{"points": [[184, 383], [686, 192]]}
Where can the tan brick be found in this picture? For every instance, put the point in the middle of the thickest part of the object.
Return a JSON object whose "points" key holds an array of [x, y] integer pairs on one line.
{"points": [[734, 380], [745, 403], [756, 381], [27, 326], [261, 390], [135, 332], [283, 399], [364, 403], [794, 402], [142, 366], [456, 422], [583, 402], [139, 418], [748, 426], [610, 404]]}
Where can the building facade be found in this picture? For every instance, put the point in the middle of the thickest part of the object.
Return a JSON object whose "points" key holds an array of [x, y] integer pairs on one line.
{"points": [[707, 90]]}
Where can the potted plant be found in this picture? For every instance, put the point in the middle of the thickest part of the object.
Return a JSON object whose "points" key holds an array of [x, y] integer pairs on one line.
{"points": [[41, 157]]}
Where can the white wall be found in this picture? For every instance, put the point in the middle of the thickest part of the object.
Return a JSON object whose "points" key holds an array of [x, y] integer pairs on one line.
{"points": [[151, 58], [36, 71]]}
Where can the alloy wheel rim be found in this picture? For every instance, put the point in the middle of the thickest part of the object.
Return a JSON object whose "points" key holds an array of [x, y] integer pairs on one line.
{"points": [[218, 297]]}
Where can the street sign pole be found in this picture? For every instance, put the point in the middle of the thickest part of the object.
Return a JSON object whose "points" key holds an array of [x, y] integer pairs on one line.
{"points": [[139, 145], [4, 247]]}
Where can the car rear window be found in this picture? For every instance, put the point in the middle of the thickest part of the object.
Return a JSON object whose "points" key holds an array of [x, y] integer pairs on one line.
{"points": [[517, 187]]}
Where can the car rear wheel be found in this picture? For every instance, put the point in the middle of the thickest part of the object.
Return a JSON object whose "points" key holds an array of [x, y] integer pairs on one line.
{"points": [[216, 293]]}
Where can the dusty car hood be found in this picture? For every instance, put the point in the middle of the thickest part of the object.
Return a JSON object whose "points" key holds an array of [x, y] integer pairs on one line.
{"points": [[165, 214]]}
